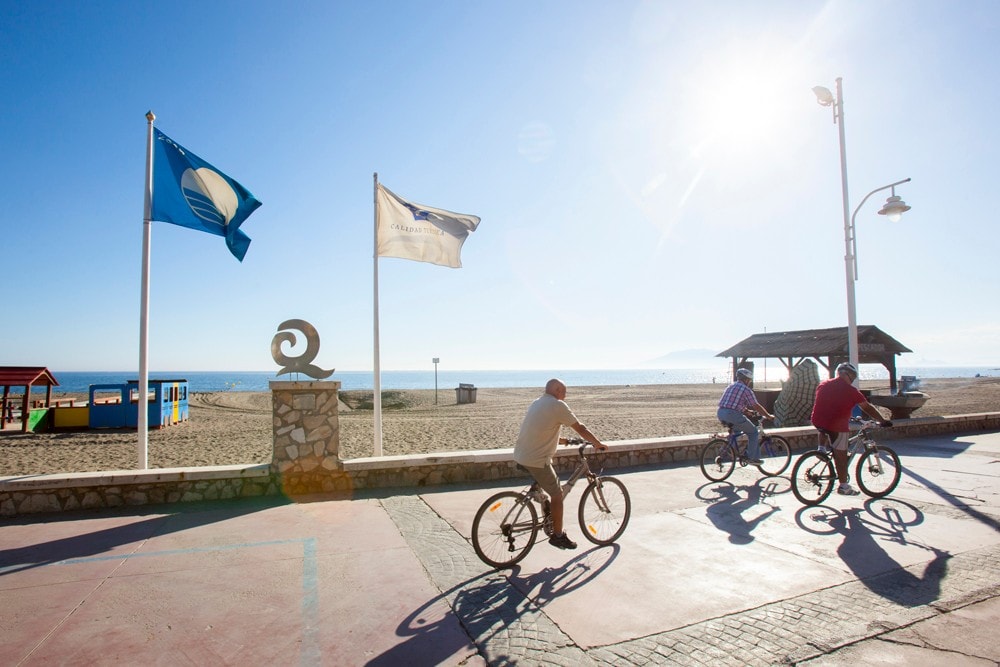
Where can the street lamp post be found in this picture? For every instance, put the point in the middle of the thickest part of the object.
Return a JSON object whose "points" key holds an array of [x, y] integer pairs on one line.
{"points": [[893, 209]]}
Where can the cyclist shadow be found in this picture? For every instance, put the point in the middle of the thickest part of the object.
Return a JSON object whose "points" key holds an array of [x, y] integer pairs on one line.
{"points": [[553, 582], [487, 605], [728, 506], [862, 551]]}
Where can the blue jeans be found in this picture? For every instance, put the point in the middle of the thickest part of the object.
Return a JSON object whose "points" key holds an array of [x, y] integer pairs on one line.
{"points": [[742, 425]]}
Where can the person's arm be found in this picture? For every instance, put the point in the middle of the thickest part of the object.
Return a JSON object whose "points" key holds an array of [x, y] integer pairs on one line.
{"points": [[755, 405], [873, 412], [762, 411], [587, 435]]}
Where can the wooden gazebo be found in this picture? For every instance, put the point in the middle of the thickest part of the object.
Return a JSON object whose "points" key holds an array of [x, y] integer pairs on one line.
{"points": [[826, 346], [27, 377]]}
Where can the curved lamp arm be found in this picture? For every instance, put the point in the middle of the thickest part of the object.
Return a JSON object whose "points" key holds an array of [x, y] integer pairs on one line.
{"points": [[854, 242]]}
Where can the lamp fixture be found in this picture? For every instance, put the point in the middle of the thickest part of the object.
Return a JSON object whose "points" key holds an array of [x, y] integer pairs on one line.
{"points": [[894, 207], [823, 96]]}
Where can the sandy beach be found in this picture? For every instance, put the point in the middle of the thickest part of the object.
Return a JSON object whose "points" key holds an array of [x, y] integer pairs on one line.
{"points": [[235, 427]]}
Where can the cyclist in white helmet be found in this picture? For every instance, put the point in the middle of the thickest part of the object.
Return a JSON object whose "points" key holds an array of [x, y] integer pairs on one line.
{"points": [[735, 401], [831, 415]]}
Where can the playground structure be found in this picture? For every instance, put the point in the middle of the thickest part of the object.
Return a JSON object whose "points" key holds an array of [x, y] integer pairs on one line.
{"points": [[26, 377], [116, 405], [109, 406]]}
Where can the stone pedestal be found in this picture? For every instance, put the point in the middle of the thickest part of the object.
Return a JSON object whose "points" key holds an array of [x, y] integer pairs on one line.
{"points": [[306, 428]]}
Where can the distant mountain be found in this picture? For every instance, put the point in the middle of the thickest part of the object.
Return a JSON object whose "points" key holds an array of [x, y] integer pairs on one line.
{"points": [[696, 358]]}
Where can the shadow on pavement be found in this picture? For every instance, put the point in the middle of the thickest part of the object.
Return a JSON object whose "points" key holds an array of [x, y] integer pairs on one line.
{"points": [[727, 505], [488, 604], [863, 531], [954, 500], [169, 519]]}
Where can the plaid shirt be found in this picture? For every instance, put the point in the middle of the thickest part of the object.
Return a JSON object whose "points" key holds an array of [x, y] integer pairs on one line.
{"points": [[737, 397]]}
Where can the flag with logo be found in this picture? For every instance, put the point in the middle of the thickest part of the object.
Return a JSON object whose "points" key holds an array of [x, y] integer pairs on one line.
{"points": [[421, 233], [189, 192]]}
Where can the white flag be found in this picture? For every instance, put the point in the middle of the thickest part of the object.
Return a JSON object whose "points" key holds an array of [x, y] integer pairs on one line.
{"points": [[420, 233]]}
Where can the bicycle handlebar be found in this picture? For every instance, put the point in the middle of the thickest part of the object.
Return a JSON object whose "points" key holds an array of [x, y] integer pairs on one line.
{"points": [[570, 442], [871, 423]]}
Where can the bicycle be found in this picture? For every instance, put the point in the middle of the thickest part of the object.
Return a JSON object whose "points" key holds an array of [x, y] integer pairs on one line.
{"points": [[506, 525], [720, 456], [878, 470]]}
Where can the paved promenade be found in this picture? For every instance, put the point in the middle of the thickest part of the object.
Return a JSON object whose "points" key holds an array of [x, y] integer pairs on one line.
{"points": [[731, 573]]}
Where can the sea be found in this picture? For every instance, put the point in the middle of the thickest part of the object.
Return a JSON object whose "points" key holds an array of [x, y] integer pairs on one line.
{"points": [[206, 381]]}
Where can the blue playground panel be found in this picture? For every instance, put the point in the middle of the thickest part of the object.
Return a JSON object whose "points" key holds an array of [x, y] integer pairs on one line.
{"points": [[116, 406]]}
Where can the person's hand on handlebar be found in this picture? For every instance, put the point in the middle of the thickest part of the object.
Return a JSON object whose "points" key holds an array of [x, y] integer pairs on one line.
{"points": [[590, 437], [885, 423]]}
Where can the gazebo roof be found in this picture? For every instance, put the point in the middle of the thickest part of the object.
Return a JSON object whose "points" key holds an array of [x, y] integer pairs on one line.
{"points": [[874, 345], [24, 376]]}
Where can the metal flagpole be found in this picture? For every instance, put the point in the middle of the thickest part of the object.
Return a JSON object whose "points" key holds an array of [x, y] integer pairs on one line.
{"points": [[142, 427], [377, 396]]}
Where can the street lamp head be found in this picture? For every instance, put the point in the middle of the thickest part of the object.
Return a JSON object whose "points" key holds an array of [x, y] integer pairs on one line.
{"points": [[894, 208], [823, 96]]}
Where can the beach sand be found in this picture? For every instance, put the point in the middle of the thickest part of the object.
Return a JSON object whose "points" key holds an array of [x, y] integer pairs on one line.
{"points": [[235, 427]]}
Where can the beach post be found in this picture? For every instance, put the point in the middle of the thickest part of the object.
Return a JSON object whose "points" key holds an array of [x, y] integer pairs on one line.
{"points": [[306, 443], [306, 421]]}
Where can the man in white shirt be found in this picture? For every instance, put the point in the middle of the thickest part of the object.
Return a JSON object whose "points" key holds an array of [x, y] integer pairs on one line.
{"points": [[536, 445]]}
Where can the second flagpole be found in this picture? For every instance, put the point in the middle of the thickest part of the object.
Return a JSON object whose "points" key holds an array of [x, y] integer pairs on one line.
{"points": [[377, 396]]}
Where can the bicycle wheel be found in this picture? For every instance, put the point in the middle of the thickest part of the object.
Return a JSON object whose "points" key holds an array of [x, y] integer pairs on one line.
{"points": [[776, 454], [878, 471], [504, 529], [718, 460], [605, 508], [812, 478]]}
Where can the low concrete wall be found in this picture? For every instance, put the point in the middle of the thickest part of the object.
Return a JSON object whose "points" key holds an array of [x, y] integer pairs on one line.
{"points": [[94, 490]]}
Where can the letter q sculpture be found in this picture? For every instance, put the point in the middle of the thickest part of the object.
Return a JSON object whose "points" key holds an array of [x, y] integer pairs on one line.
{"points": [[302, 363]]}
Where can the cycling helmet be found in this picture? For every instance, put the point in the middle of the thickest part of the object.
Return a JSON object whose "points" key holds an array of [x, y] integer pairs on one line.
{"points": [[848, 368], [744, 373]]}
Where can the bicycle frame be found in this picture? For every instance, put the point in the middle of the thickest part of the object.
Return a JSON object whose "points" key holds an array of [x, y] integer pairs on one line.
{"points": [[856, 443], [877, 471], [507, 524], [533, 493], [732, 436]]}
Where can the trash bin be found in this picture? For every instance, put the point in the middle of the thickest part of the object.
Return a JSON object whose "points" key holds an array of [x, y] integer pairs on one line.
{"points": [[908, 383], [465, 393]]}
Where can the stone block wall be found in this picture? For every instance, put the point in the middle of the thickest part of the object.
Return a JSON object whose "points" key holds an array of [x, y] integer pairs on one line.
{"points": [[101, 490], [306, 442]]}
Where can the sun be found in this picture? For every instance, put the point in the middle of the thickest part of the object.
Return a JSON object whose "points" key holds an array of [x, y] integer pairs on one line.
{"points": [[740, 104]]}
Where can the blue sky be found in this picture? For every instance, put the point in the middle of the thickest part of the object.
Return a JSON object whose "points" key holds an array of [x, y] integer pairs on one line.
{"points": [[651, 177]]}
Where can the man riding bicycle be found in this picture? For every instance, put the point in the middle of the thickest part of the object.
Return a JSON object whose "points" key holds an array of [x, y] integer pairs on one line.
{"points": [[735, 401], [831, 415], [536, 445]]}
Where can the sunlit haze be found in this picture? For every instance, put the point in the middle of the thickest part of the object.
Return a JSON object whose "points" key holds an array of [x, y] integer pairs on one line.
{"points": [[652, 177]]}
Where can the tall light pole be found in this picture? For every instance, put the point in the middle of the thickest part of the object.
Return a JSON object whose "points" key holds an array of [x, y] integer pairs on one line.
{"points": [[893, 209]]}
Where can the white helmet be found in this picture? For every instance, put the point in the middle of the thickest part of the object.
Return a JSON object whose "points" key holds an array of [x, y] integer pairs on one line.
{"points": [[849, 368], [744, 373]]}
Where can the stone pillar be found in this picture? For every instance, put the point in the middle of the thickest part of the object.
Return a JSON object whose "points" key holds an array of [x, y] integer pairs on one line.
{"points": [[306, 443]]}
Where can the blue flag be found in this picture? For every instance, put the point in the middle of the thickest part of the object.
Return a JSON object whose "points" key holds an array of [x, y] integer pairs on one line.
{"points": [[189, 192]]}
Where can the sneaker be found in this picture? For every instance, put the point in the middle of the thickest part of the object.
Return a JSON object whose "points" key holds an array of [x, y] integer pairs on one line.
{"points": [[562, 541], [847, 490], [755, 462]]}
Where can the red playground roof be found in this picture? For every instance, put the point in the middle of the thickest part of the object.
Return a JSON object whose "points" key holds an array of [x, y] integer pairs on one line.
{"points": [[24, 376]]}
